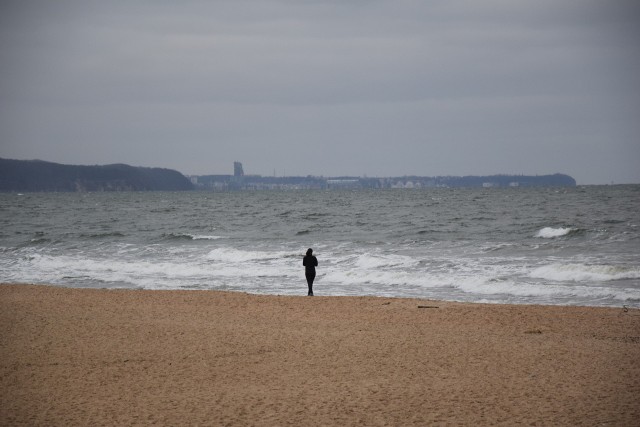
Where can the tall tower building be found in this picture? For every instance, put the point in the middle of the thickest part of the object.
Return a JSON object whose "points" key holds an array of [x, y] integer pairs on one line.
{"points": [[237, 169]]}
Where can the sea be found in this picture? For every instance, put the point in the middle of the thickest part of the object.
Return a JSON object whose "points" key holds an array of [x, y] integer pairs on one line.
{"points": [[559, 246]]}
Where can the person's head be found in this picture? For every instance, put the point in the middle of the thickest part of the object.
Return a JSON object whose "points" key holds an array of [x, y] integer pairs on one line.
{"points": [[309, 252]]}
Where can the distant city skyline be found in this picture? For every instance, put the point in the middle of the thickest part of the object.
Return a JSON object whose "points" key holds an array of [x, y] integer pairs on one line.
{"points": [[326, 88], [41, 176]]}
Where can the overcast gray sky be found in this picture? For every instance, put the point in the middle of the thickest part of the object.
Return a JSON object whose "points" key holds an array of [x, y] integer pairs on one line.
{"points": [[326, 87]]}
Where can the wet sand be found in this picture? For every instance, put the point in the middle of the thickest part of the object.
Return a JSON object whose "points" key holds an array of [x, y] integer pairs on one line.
{"points": [[126, 357]]}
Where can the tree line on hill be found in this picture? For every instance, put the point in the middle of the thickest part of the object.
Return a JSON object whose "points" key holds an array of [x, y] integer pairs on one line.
{"points": [[37, 175]]}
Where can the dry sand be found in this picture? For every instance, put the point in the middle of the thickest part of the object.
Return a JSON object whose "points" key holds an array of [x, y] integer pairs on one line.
{"points": [[125, 357]]}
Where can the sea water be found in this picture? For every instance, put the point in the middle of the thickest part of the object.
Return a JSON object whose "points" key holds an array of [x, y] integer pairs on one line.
{"points": [[569, 246]]}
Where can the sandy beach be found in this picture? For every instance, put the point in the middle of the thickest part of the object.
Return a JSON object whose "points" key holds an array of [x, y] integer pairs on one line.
{"points": [[127, 357]]}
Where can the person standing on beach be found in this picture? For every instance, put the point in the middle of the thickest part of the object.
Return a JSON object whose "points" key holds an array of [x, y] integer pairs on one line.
{"points": [[310, 263]]}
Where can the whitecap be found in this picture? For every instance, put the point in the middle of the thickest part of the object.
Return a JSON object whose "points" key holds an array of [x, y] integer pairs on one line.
{"points": [[369, 261], [583, 272], [232, 255], [550, 232], [545, 292], [202, 237]]}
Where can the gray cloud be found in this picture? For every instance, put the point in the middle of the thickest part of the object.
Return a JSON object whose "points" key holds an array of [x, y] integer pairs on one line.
{"points": [[326, 87]]}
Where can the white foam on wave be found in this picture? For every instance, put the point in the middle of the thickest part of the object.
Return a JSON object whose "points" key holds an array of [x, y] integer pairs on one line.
{"points": [[231, 255], [194, 236], [153, 273], [138, 272], [468, 279], [368, 261], [550, 232], [543, 291], [585, 273], [203, 237], [379, 278], [373, 271], [341, 272]]}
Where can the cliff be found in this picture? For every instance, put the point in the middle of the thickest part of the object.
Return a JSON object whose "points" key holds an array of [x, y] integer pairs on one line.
{"points": [[37, 175]]}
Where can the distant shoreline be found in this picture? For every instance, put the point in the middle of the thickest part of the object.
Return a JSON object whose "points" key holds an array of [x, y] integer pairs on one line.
{"points": [[42, 176], [257, 182]]}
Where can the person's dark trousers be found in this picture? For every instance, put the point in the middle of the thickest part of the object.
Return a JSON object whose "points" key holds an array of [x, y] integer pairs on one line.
{"points": [[310, 278]]}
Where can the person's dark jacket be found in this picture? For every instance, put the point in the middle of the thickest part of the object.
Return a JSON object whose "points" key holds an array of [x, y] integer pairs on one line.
{"points": [[310, 263]]}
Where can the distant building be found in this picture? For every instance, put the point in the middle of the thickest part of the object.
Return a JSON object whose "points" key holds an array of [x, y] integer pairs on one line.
{"points": [[239, 181], [343, 183], [237, 169]]}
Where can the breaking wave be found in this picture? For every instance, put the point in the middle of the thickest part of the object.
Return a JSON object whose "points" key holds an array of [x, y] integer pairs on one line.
{"points": [[179, 236], [550, 232], [585, 273]]}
